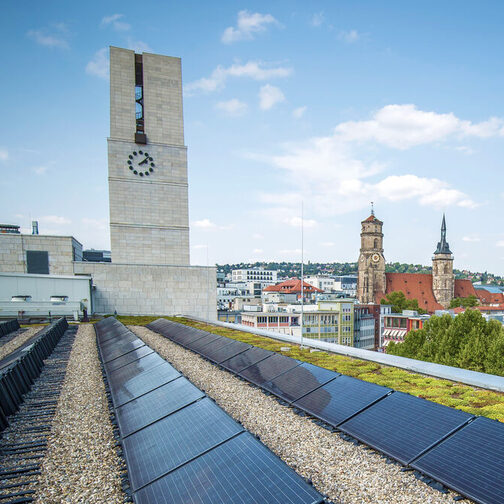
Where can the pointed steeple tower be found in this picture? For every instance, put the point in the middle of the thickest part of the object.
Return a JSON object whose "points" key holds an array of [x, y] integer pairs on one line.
{"points": [[443, 247], [443, 280]]}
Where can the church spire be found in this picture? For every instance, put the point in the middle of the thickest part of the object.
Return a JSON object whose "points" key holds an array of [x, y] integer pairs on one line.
{"points": [[443, 247]]}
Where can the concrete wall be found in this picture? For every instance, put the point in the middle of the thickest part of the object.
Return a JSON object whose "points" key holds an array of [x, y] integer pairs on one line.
{"points": [[152, 289], [13, 249]]}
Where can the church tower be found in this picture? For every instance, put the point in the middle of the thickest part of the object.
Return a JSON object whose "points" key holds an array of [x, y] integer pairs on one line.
{"points": [[371, 278], [147, 160], [443, 280]]}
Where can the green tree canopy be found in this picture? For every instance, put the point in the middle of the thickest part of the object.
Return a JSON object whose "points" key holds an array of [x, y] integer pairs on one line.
{"points": [[467, 341], [399, 302], [466, 302]]}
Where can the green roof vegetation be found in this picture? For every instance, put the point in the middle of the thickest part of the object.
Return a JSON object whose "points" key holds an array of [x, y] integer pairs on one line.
{"points": [[464, 397]]}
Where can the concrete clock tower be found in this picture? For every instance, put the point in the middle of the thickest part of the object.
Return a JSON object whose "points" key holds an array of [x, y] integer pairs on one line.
{"points": [[147, 160], [443, 279], [371, 279]]}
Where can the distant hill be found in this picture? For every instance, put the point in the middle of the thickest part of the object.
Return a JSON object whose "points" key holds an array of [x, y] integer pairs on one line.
{"points": [[289, 269]]}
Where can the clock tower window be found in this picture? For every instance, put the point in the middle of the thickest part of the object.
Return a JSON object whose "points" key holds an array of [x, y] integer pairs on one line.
{"points": [[140, 137]]}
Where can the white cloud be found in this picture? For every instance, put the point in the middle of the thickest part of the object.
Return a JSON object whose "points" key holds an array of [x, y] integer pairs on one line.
{"points": [[349, 37], [405, 126], [317, 19], [465, 150], [233, 107], [500, 243], [138, 46], [258, 236], [299, 112], [199, 247], [204, 224], [4, 154], [257, 251], [471, 238], [40, 170], [269, 96], [99, 65], [115, 21], [56, 38], [296, 222], [256, 70], [54, 219], [101, 224], [247, 25], [290, 252], [328, 244]]}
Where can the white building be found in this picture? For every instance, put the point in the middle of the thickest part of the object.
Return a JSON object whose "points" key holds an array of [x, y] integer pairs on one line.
{"points": [[268, 277], [324, 283]]}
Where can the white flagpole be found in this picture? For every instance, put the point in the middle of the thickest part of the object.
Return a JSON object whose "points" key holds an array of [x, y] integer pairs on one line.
{"points": [[302, 271]]}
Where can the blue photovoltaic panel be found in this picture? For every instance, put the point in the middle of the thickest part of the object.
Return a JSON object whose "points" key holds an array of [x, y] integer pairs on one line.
{"points": [[134, 368], [341, 398], [239, 471], [185, 337], [471, 461], [111, 352], [123, 336], [245, 359], [128, 358], [299, 381], [201, 343], [267, 369], [127, 389], [112, 333], [176, 439], [156, 404], [225, 351], [403, 426]]}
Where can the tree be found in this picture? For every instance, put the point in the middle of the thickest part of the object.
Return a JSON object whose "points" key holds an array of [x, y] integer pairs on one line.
{"points": [[467, 341], [466, 302], [399, 302]]}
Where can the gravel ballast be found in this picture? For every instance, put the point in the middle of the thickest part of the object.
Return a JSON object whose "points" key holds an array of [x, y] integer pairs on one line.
{"points": [[347, 473], [81, 464]]}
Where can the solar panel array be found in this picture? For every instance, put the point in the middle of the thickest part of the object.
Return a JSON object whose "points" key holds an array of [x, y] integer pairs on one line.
{"points": [[8, 326], [455, 448], [179, 446]]}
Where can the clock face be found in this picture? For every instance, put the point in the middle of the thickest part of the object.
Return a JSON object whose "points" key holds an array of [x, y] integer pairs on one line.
{"points": [[375, 258], [140, 163]]}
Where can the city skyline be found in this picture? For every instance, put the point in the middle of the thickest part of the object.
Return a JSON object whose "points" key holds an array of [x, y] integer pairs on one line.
{"points": [[331, 105]]}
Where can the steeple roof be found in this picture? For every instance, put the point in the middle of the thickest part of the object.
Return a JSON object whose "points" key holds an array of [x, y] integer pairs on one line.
{"points": [[443, 247]]}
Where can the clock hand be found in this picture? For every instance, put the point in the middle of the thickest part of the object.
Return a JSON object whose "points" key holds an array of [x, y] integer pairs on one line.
{"points": [[143, 162]]}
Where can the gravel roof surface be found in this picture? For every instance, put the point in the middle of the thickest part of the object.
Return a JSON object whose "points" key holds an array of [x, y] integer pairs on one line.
{"points": [[81, 464], [347, 473], [18, 340]]}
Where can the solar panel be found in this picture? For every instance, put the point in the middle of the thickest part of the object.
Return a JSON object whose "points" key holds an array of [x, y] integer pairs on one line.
{"points": [[267, 369], [125, 389], [224, 352], [471, 461], [135, 367], [201, 343], [341, 398], [245, 359], [156, 404], [402, 426], [113, 332], [176, 439], [299, 381], [128, 358], [239, 471], [185, 338], [111, 352]]}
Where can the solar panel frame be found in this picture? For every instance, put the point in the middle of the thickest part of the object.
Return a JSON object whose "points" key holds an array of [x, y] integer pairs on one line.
{"points": [[156, 404], [402, 426], [299, 381], [470, 461], [240, 470], [142, 383], [175, 440], [245, 359], [343, 397]]}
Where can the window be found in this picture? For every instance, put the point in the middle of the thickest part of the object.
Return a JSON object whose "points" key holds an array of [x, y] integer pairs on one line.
{"points": [[37, 261]]}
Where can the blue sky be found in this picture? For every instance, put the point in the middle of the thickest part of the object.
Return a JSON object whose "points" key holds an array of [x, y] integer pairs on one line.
{"points": [[335, 104]]}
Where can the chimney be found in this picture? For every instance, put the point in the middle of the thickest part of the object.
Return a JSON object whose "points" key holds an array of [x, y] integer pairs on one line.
{"points": [[34, 227]]}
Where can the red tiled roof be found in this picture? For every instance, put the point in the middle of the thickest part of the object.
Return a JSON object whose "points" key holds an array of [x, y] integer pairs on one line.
{"points": [[415, 286], [487, 297], [464, 288], [371, 218], [460, 309], [291, 286]]}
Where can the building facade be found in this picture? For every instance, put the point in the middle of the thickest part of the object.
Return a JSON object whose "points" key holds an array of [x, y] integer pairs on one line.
{"points": [[267, 277]]}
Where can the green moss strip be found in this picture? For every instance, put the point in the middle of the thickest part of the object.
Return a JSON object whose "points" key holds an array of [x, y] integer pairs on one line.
{"points": [[463, 397]]}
